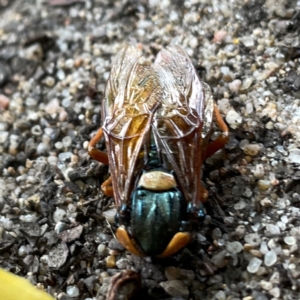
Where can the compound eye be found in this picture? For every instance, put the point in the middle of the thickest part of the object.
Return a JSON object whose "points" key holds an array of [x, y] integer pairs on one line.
{"points": [[196, 213], [201, 215], [122, 217]]}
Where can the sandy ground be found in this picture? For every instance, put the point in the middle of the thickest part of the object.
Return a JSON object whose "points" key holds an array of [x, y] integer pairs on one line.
{"points": [[55, 58]]}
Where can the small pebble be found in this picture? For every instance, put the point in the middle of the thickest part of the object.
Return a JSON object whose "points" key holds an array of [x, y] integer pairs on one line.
{"points": [[263, 247], [111, 261], [263, 184], [275, 292], [172, 273], [220, 259], [240, 231], [290, 240], [254, 265], [270, 258], [72, 291], [273, 229], [69, 63], [294, 156], [240, 205], [64, 156], [67, 141], [259, 171], [4, 102], [114, 244], [235, 85], [251, 149], [49, 81], [248, 41], [52, 107], [216, 233], [266, 202], [175, 288], [220, 295], [59, 214], [234, 247], [256, 253], [266, 285], [233, 119], [109, 215], [253, 239]]}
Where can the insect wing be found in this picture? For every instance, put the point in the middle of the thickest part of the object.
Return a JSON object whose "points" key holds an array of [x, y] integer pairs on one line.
{"points": [[183, 121], [131, 98]]}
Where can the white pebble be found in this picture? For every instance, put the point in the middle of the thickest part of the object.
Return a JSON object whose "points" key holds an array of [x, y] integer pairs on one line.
{"points": [[220, 295], [240, 205], [101, 248], [234, 247], [72, 291], [266, 202], [58, 215], [290, 240], [248, 41], [294, 156], [3, 137], [49, 81], [29, 218], [263, 247], [235, 85], [64, 156], [61, 74], [254, 265], [253, 239], [52, 107], [52, 160], [36, 130], [67, 141], [273, 229], [263, 184], [251, 149], [58, 145], [270, 258], [259, 171], [266, 285], [233, 119], [69, 63], [247, 83], [275, 292]]}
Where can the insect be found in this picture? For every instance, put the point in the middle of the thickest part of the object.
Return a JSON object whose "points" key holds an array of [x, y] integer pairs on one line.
{"points": [[157, 123]]}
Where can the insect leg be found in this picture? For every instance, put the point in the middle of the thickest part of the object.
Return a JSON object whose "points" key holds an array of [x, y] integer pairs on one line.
{"points": [[107, 188], [222, 139], [94, 152], [100, 156], [203, 194]]}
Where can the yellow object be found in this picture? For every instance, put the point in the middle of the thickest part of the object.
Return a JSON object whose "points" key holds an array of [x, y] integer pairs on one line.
{"points": [[13, 287]]}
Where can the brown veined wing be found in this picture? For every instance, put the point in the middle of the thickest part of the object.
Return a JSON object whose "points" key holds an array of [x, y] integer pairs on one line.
{"points": [[182, 122], [131, 97]]}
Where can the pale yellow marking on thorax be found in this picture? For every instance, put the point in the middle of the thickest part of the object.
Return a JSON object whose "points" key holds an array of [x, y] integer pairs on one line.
{"points": [[157, 181]]}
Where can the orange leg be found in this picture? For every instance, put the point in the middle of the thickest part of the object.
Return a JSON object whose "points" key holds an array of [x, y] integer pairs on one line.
{"points": [[203, 194], [100, 156], [94, 152], [222, 139], [179, 240], [107, 188], [128, 242]]}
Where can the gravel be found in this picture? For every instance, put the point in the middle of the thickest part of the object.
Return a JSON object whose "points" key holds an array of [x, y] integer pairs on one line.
{"points": [[55, 58]]}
